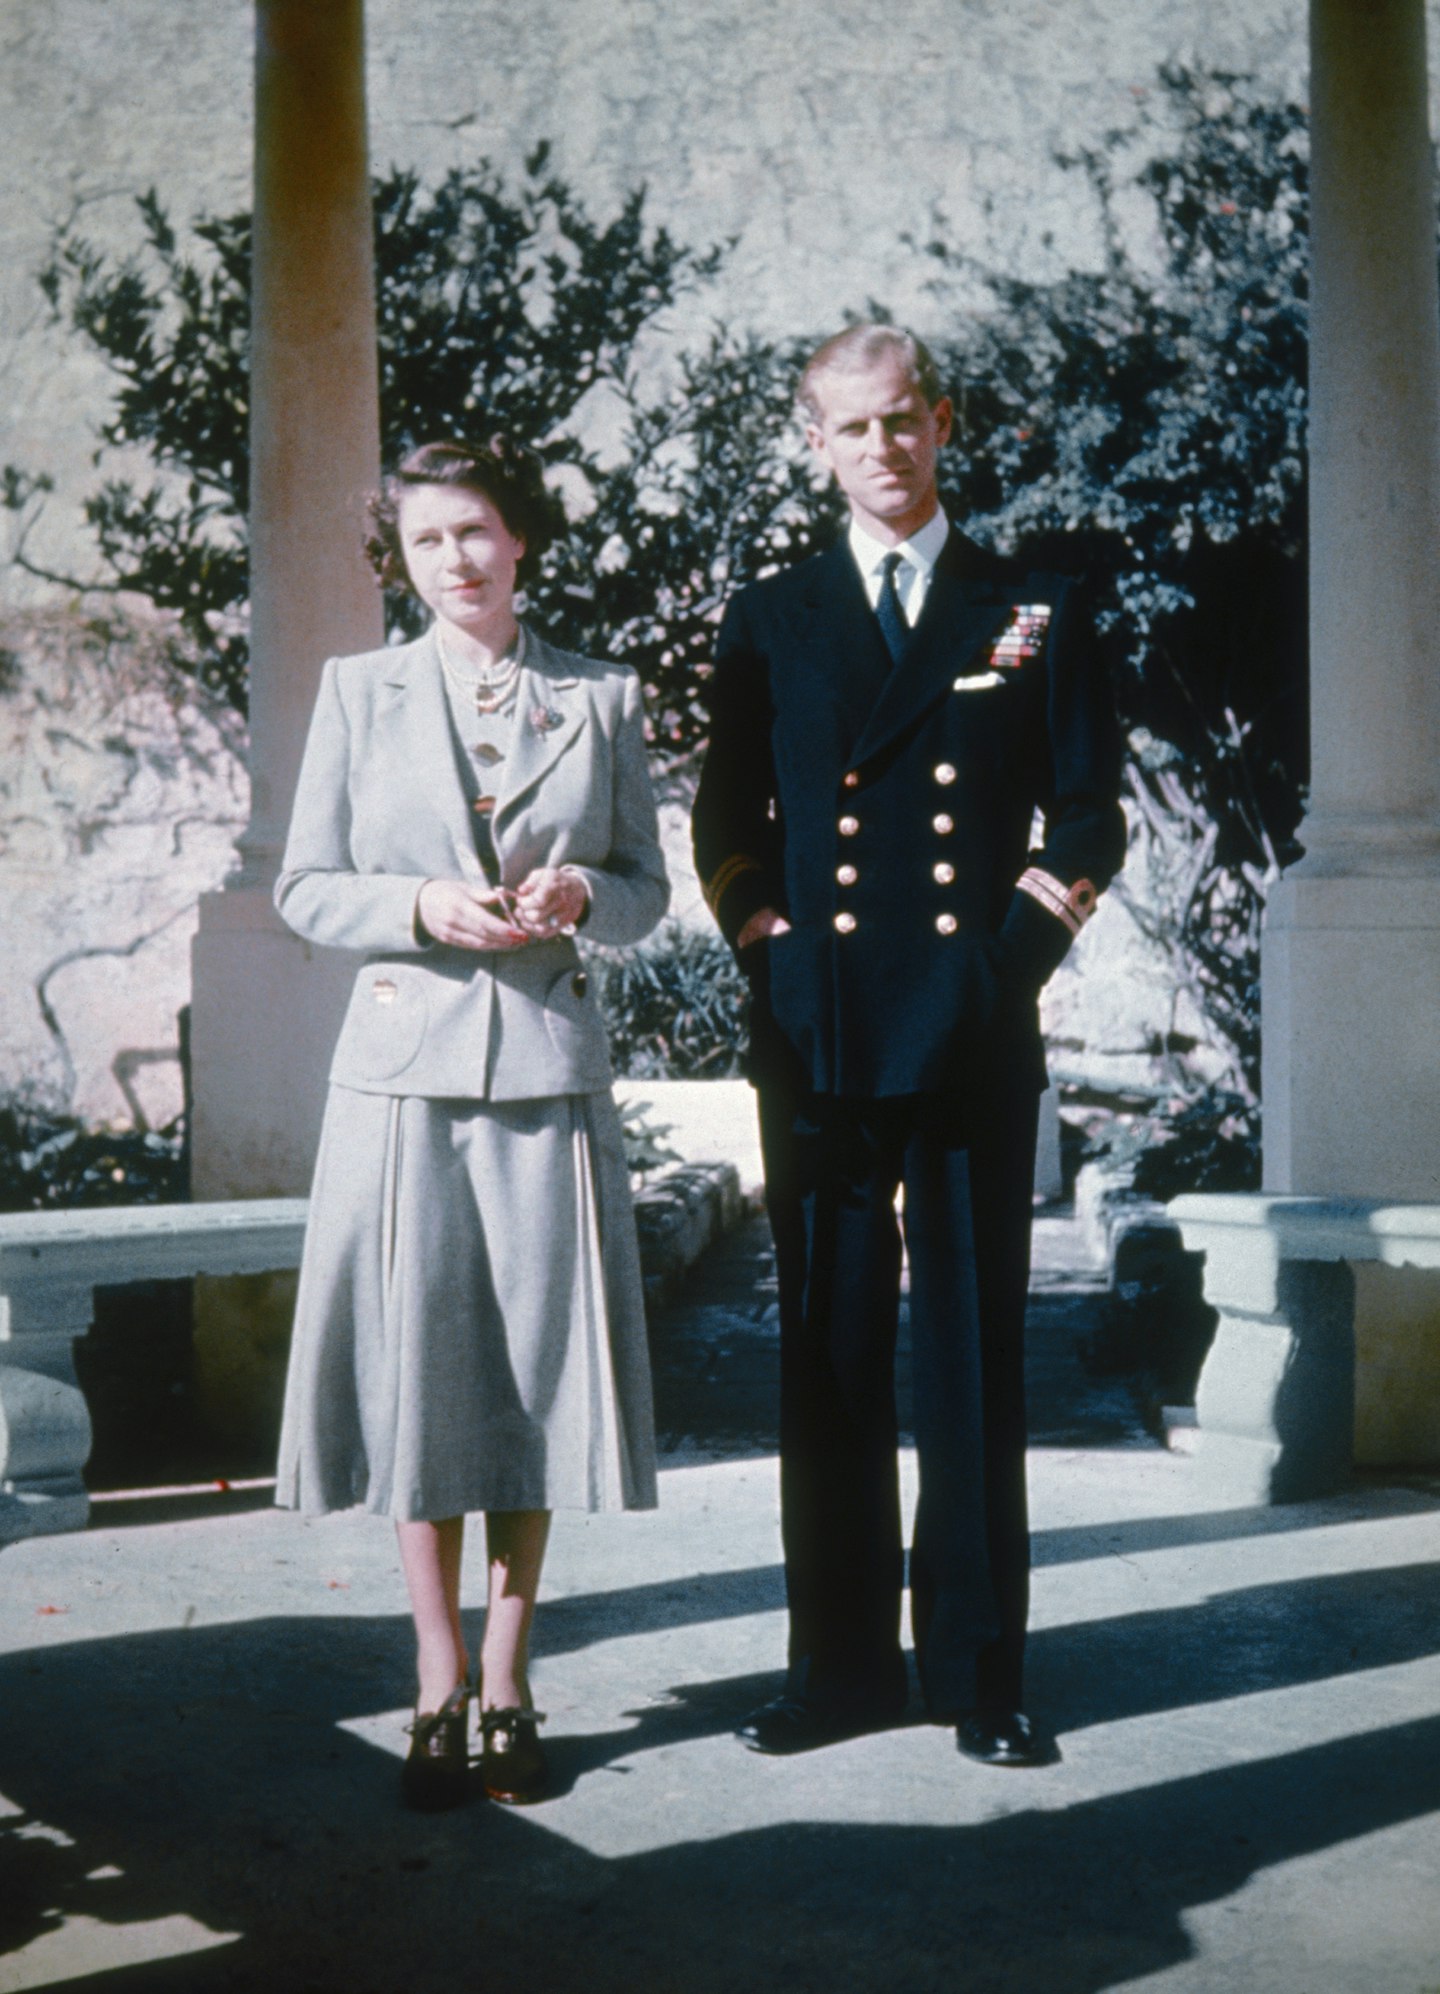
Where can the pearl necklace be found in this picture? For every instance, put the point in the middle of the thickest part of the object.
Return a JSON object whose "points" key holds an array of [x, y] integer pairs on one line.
{"points": [[492, 686]]}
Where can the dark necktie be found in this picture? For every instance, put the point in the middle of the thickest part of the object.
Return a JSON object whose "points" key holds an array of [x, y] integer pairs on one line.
{"points": [[893, 627]]}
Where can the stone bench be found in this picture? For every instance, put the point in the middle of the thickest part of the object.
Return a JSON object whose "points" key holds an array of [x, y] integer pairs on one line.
{"points": [[1327, 1352], [50, 1265], [52, 1262]]}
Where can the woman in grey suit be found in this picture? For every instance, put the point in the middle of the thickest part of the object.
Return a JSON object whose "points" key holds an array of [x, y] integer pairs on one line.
{"points": [[469, 1332]]}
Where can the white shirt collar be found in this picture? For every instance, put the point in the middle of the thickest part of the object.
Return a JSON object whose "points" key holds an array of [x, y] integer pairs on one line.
{"points": [[921, 550]]}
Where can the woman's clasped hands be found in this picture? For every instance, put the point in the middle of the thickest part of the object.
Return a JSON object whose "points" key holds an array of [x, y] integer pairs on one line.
{"points": [[547, 903]]}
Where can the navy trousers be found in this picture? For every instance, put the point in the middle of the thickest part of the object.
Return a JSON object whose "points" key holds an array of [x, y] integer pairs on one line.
{"points": [[832, 1168]]}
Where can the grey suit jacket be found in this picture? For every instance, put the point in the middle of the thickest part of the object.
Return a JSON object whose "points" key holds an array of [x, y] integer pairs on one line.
{"points": [[380, 810]]}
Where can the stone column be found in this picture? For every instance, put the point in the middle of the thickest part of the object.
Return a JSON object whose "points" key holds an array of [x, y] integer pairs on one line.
{"points": [[265, 1006], [1315, 1365], [1351, 963]]}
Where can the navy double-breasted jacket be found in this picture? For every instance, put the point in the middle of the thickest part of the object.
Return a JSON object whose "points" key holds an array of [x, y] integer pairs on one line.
{"points": [[887, 812]]}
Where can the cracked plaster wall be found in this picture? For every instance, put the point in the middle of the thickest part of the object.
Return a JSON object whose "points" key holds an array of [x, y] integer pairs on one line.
{"points": [[121, 794], [817, 137]]}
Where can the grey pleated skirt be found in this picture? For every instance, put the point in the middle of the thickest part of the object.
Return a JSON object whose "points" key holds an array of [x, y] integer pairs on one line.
{"points": [[470, 1330]]}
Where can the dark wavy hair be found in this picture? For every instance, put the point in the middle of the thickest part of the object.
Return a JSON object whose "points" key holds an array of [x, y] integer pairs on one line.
{"points": [[507, 473]]}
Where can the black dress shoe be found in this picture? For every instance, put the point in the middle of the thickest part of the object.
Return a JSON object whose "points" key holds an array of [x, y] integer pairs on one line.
{"points": [[512, 1763], [789, 1724], [433, 1776], [1004, 1738]]}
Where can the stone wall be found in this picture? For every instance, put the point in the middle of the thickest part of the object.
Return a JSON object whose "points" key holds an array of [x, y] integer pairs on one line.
{"points": [[819, 137], [121, 794]]}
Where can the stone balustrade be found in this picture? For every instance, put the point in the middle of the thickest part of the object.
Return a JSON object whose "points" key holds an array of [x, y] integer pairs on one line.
{"points": [[52, 1262], [1327, 1351], [50, 1265]]}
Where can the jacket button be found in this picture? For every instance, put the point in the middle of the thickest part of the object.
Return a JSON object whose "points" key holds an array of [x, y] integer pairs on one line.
{"points": [[845, 924], [848, 826], [579, 983], [943, 824], [846, 874], [944, 772], [944, 874], [946, 924], [851, 778]]}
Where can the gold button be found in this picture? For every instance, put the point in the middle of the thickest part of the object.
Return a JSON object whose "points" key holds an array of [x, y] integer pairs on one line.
{"points": [[851, 778], [945, 772], [943, 824], [946, 924], [845, 924], [849, 826], [846, 874], [944, 873]]}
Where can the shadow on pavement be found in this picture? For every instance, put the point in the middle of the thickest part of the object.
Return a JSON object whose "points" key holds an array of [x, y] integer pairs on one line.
{"points": [[564, 1625], [249, 1812], [204, 1774], [1235, 1643], [1077, 1543], [208, 1774]]}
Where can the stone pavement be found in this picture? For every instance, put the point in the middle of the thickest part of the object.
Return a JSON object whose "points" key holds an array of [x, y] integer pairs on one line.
{"points": [[202, 1709]]}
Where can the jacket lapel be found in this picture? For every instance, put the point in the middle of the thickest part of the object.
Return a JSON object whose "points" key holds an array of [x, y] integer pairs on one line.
{"points": [[964, 611], [840, 642], [420, 715], [550, 711]]}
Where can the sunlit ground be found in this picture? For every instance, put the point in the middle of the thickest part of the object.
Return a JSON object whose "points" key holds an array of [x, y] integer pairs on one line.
{"points": [[201, 1724]]}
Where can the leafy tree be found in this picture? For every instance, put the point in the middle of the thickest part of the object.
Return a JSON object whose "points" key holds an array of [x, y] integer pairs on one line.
{"points": [[497, 308], [673, 1006], [1145, 422], [172, 327], [50, 1161]]}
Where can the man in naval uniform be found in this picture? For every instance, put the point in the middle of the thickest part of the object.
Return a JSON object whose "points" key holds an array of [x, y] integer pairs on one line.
{"points": [[886, 719]]}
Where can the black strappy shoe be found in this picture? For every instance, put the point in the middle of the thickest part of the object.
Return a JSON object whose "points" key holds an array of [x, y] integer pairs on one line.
{"points": [[512, 1762], [433, 1776]]}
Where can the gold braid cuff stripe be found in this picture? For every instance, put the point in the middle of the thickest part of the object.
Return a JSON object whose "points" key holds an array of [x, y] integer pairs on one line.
{"points": [[725, 876], [1073, 905]]}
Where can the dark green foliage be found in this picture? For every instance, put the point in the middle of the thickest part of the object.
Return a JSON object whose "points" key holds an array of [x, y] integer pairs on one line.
{"points": [[172, 324], [510, 309], [673, 1006], [1145, 422], [517, 311], [498, 307], [713, 491], [54, 1163], [1210, 1143], [1125, 419]]}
